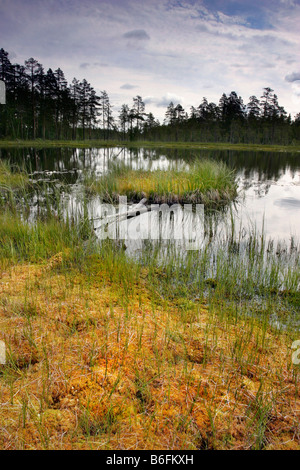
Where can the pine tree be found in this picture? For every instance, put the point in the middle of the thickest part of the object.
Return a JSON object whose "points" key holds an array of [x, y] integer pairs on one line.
{"points": [[107, 119], [253, 108], [33, 70], [124, 118], [93, 104], [75, 105], [170, 115], [138, 110], [84, 96]]}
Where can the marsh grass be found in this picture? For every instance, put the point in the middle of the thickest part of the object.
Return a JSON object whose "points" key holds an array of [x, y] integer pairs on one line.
{"points": [[169, 352], [204, 182], [12, 180], [33, 236], [21, 241], [147, 364], [14, 184]]}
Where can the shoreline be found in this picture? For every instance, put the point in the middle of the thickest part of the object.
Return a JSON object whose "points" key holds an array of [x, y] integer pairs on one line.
{"points": [[149, 144]]}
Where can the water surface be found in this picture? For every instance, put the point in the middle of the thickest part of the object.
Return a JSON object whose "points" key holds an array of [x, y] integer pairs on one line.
{"points": [[268, 182]]}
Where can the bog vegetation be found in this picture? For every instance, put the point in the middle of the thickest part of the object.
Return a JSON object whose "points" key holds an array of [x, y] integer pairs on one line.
{"points": [[203, 181], [181, 351]]}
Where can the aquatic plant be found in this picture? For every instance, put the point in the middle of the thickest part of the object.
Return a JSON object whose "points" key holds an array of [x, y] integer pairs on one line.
{"points": [[204, 181]]}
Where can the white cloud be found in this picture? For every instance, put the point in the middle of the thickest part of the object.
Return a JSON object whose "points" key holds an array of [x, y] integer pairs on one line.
{"points": [[288, 2], [165, 100], [128, 86], [84, 65], [293, 77], [137, 34]]}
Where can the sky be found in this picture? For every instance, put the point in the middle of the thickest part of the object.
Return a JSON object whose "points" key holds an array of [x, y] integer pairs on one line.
{"points": [[162, 50]]}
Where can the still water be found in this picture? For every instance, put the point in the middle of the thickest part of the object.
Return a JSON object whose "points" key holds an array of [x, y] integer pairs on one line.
{"points": [[268, 183]]}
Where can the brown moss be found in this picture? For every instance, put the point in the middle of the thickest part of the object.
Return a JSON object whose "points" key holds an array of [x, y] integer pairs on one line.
{"points": [[93, 371]]}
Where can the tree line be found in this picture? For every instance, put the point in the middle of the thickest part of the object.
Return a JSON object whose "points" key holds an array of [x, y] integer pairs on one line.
{"points": [[262, 120], [41, 104]]}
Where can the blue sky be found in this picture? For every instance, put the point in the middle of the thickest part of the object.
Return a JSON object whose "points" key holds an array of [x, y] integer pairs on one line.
{"points": [[162, 50]]}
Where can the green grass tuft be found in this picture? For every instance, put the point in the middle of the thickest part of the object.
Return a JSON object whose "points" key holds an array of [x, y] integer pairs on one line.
{"points": [[204, 182]]}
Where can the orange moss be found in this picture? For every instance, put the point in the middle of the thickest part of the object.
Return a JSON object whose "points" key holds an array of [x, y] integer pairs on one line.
{"points": [[88, 370]]}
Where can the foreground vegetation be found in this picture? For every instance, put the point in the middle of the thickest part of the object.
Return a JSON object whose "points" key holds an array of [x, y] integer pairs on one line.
{"points": [[10, 181], [104, 351]]}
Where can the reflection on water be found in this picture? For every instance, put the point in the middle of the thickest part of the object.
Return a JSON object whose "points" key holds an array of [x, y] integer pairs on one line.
{"points": [[183, 226], [290, 203], [269, 183]]}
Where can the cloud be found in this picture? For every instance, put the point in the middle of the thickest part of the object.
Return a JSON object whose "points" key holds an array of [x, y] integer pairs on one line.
{"points": [[139, 34], [87, 65], [163, 101], [12, 55], [128, 86], [293, 77], [100, 64], [296, 94], [288, 2]]}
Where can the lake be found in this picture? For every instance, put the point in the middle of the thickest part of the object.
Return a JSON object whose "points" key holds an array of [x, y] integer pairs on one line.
{"points": [[268, 182]]}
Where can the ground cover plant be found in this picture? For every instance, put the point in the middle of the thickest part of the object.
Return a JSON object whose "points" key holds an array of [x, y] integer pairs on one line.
{"points": [[107, 352]]}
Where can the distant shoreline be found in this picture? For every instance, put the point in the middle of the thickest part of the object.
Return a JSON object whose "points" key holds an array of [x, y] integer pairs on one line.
{"points": [[39, 143]]}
